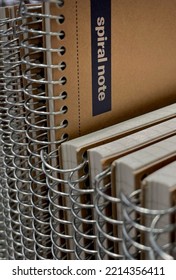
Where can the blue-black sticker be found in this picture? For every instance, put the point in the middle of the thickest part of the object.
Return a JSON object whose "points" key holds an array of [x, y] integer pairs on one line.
{"points": [[101, 55]]}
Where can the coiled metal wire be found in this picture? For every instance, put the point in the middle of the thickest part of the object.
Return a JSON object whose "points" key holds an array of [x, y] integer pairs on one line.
{"points": [[162, 239], [18, 126], [142, 241], [39, 114], [82, 208], [13, 86], [5, 144], [62, 219], [109, 241], [3, 244]]}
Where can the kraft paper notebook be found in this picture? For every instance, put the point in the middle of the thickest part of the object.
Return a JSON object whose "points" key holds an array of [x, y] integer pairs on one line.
{"points": [[108, 61], [102, 63], [105, 153], [159, 193], [101, 158], [73, 152], [130, 170]]}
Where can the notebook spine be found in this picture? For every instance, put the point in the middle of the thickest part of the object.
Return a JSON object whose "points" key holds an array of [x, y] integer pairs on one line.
{"points": [[107, 226], [134, 230]]}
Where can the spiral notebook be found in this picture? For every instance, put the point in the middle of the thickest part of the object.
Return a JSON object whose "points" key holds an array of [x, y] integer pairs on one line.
{"points": [[95, 76], [101, 157], [159, 193], [109, 60], [73, 151], [106, 153], [130, 170]]}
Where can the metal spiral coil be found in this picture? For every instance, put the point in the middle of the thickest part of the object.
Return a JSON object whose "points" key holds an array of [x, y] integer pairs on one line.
{"points": [[6, 251], [41, 241], [50, 211], [140, 240], [5, 143], [23, 183], [61, 221], [82, 208], [3, 244], [13, 86], [109, 242], [38, 128], [18, 139], [162, 248], [2, 230]]}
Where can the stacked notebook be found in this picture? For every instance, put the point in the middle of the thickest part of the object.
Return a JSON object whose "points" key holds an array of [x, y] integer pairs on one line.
{"points": [[129, 173], [82, 85], [88, 157], [107, 98]]}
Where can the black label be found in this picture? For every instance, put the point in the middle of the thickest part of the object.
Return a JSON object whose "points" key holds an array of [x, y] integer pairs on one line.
{"points": [[101, 55]]}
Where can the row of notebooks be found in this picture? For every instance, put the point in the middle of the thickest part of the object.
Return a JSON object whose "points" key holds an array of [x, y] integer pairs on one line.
{"points": [[49, 95], [97, 195], [133, 37]]}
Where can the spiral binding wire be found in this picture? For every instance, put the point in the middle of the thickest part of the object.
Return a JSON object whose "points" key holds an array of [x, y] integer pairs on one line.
{"points": [[13, 85], [135, 232], [6, 230], [68, 223], [5, 146], [17, 124], [2, 230], [2, 221], [59, 207], [3, 245], [38, 114], [82, 208], [64, 214], [109, 242]]}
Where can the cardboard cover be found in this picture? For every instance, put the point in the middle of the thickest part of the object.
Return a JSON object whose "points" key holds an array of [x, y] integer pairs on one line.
{"points": [[120, 60]]}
